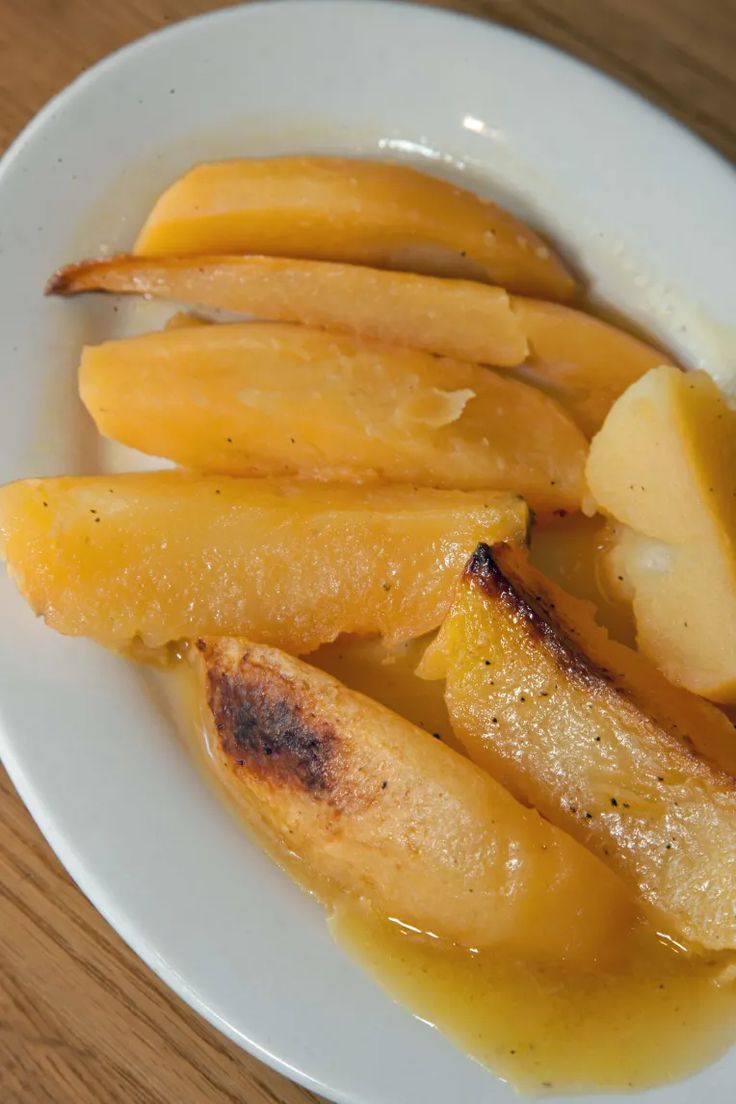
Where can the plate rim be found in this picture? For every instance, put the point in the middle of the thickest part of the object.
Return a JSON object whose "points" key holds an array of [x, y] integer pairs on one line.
{"points": [[417, 7]]}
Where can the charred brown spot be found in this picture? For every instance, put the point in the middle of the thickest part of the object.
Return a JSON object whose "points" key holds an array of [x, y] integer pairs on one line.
{"points": [[488, 568], [262, 726], [89, 275], [62, 281], [495, 571], [71, 279]]}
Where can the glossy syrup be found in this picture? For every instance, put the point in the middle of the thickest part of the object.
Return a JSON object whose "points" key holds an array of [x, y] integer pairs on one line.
{"points": [[656, 1015]]}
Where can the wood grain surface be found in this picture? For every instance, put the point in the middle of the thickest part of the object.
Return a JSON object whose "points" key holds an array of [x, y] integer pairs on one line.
{"points": [[82, 1021]]}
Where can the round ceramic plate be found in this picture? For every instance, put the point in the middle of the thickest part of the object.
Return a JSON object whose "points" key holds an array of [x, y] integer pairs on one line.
{"points": [[643, 210]]}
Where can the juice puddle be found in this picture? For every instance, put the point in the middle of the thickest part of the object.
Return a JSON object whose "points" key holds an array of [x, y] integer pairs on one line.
{"points": [[387, 674], [654, 1015], [569, 551]]}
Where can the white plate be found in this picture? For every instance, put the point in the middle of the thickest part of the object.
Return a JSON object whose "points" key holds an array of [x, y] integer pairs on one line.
{"points": [[645, 210]]}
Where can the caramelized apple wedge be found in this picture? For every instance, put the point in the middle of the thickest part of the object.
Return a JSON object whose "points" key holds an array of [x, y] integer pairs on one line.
{"points": [[165, 555], [582, 361], [455, 318], [590, 734], [272, 399], [380, 810], [664, 466], [362, 212]]}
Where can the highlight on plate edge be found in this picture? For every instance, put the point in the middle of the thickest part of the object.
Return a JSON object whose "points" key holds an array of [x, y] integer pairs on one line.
{"points": [[445, 582]]}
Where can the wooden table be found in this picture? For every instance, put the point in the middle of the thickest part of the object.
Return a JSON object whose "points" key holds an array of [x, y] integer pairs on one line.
{"points": [[82, 1021]]}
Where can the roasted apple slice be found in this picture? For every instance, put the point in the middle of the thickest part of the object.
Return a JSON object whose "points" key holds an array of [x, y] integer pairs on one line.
{"points": [[664, 465], [379, 809], [165, 555], [456, 318], [363, 212], [589, 732], [584, 362], [273, 399]]}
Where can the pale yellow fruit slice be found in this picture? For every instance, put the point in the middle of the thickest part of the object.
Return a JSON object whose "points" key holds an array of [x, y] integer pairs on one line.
{"points": [[272, 399], [664, 466], [363, 212]]}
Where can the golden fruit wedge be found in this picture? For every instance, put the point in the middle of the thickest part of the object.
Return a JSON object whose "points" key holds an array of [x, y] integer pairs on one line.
{"points": [[272, 399], [377, 808], [165, 555], [582, 361], [664, 465], [361, 212], [590, 734], [456, 318]]}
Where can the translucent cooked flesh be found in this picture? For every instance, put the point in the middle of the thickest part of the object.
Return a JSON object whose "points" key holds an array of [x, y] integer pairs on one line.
{"points": [[569, 550], [664, 465], [594, 737], [383, 811], [166, 555], [273, 399], [387, 673], [361, 212], [456, 318], [584, 362]]}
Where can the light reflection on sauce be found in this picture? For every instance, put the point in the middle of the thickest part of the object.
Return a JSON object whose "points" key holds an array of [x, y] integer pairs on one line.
{"points": [[656, 1014], [655, 1017]]}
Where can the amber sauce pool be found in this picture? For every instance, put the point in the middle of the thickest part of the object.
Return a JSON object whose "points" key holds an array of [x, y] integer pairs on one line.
{"points": [[656, 1016], [655, 1013]]}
